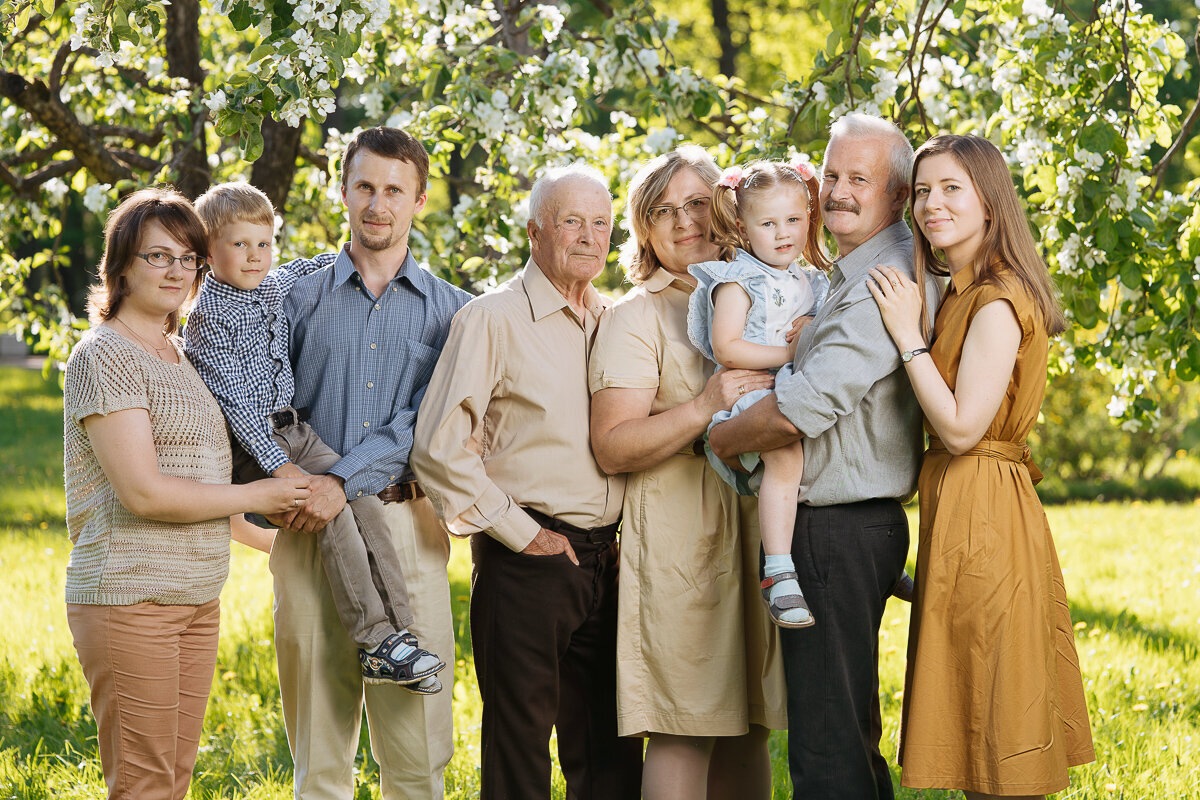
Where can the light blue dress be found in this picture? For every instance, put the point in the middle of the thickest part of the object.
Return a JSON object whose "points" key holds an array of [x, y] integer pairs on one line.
{"points": [[776, 298]]}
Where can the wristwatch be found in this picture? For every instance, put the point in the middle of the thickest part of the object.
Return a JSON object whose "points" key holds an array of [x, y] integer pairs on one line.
{"points": [[909, 355]]}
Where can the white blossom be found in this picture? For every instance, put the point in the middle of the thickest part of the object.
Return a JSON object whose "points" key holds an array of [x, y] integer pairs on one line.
{"points": [[216, 101], [95, 197]]}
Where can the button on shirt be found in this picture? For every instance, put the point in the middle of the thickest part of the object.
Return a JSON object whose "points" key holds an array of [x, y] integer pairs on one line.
{"points": [[505, 421], [238, 341], [362, 362], [848, 394]]}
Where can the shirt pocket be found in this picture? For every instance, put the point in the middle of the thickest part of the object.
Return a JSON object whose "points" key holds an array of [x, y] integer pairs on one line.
{"points": [[416, 363]]}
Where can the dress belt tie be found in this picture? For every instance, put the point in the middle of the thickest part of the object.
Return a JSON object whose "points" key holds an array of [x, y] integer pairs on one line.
{"points": [[997, 449]]}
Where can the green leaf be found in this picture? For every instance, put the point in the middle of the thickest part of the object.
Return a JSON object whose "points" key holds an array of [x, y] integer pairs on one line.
{"points": [[241, 15], [1106, 234], [1131, 276], [252, 144], [431, 83], [1087, 312]]}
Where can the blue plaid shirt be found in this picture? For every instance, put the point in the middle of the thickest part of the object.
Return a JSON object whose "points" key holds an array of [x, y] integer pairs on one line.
{"points": [[362, 363], [238, 342]]}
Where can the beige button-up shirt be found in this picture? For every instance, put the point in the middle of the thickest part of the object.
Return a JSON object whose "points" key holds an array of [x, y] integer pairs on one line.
{"points": [[504, 422]]}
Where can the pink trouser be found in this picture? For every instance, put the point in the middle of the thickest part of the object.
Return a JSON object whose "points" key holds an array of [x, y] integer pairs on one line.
{"points": [[150, 668]]}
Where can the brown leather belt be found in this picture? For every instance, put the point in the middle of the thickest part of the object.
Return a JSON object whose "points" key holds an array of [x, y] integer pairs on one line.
{"points": [[402, 492]]}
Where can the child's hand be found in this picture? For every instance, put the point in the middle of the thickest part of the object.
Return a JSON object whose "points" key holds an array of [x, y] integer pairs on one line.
{"points": [[900, 305], [793, 333]]}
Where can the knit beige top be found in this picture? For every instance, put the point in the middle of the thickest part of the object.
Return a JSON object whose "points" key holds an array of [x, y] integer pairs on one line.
{"points": [[120, 558]]}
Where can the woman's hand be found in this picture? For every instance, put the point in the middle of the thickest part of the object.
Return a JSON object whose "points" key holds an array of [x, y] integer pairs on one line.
{"points": [[278, 495], [900, 305], [727, 386]]}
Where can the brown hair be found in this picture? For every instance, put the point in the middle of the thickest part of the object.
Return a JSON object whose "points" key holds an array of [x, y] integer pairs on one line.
{"points": [[122, 236], [758, 178], [389, 143], [1008, 244], [645, 191], [227, 203]]}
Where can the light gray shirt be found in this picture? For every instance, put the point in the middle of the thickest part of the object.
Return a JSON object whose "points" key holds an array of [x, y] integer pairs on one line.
{"points": [[848, 394]]}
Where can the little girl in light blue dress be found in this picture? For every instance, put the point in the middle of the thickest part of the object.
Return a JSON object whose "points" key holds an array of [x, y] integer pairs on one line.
{"points": [[766, 218]]}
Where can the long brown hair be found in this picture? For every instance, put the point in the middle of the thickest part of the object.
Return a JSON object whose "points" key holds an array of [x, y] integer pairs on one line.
{"points": [[123, 234], [757, 179], [1008, 246], [646, 191]]}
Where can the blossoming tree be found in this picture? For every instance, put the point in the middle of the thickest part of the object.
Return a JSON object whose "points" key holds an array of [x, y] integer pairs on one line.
{"points": [[101, 96]]}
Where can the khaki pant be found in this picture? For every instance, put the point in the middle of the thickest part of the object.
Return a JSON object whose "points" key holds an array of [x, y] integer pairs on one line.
{"points": [[150, 668], [320, 679]]}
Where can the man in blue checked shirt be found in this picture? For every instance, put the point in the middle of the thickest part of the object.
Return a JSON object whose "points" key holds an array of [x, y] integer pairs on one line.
{"points": [[366, 331], [237, 338]]}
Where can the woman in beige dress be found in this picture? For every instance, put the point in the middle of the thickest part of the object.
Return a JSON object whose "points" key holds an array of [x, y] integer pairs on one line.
{"points": [[698, 668]]}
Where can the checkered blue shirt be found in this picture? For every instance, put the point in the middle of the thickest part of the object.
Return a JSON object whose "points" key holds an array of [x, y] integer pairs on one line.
{"points": [[238, 342], [362, 363]]}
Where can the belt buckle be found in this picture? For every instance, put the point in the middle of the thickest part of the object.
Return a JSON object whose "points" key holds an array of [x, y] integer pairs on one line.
{"points": [[408, 491]]}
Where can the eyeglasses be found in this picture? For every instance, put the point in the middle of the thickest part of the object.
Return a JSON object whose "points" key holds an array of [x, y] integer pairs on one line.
{"points": [[696, 208], [161, 260]]}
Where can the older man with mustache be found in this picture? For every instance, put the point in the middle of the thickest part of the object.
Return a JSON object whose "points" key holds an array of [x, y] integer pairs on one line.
{"points": [[502, 448], [851, 402]]}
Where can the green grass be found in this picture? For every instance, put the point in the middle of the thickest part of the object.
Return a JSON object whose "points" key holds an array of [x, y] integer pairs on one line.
{"points": [[1132, 571]]}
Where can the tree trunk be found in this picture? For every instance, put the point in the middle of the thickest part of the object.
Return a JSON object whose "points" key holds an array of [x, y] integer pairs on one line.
{"points": [[276, 167], [189, 159], [727, 62]]}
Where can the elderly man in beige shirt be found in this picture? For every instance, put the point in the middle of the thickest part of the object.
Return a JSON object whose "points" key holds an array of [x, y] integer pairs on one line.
{"points": [[501, 447]]}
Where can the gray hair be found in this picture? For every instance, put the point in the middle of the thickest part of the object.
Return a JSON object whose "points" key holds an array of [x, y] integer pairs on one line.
{"points": [[857, 125], [544, 185]]}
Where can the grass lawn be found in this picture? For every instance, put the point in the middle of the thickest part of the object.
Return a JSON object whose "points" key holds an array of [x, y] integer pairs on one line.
{"points": [[1132, 571]]}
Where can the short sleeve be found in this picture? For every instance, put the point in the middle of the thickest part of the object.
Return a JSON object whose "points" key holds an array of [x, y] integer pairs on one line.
{"points": [[627, 353], [102, 380], [1010, 291]]}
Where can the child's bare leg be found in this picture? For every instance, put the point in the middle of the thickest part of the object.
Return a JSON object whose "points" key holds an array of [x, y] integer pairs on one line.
{"points": [[783, 469]]}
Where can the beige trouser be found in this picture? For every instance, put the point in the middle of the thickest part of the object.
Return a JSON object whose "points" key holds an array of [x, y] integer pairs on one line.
{"points": [[150, 668], [320, 679]]}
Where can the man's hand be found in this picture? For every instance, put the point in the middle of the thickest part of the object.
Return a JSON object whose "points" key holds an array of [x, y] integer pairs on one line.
{"points": [[549, 543], [327, 500]]}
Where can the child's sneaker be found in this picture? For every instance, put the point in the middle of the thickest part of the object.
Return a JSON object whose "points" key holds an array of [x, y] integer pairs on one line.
{"points": [[412, 665], [904, 587]]}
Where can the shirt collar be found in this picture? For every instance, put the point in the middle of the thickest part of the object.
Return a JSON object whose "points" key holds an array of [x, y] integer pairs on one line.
{"points": [[544, 299], [661, 278], [859, 261], [344, 269], [223, 291], [963, 279]]}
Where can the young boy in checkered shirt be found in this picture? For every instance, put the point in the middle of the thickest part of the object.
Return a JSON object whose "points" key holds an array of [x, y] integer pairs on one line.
{"points": [[237, 338]]}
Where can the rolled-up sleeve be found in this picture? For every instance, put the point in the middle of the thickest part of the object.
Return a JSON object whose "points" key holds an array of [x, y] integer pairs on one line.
{"points": [[851, 352], [449, 447]]}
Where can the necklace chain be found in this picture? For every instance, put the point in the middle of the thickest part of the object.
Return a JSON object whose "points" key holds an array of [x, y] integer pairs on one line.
{"points": [[157, 350]]}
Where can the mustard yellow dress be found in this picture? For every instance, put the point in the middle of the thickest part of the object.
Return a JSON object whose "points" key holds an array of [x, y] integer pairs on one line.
{"points": [[696, 653], [993, 698]]}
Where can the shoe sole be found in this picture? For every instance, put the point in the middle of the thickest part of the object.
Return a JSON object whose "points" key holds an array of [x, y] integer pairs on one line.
{"points": [[379, 681]]}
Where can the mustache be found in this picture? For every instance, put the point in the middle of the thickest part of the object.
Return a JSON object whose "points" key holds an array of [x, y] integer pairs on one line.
{"points": [[833, 205]]}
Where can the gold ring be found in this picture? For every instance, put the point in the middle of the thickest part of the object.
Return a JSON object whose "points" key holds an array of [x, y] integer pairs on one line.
{"points": [[742, 389]]}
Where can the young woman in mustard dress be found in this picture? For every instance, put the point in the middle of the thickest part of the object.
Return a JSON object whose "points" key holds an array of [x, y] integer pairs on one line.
{"points": [[993, 700]]}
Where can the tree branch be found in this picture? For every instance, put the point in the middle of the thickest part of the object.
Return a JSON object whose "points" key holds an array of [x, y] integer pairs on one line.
{"points": [[36, 99], [603, 7], [1159, 171], [137, 160]]}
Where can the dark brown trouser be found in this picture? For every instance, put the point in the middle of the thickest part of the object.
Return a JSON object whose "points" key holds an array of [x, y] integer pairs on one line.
{"points": [[544, 632]]}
